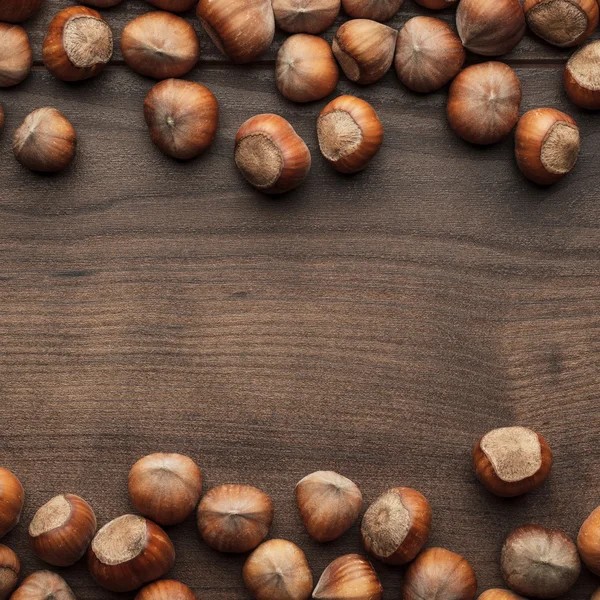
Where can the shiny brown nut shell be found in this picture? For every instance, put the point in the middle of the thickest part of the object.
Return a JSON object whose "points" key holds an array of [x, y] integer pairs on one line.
{"points": [[17, 11], [12, 497], [305, 16], [10, 569]]}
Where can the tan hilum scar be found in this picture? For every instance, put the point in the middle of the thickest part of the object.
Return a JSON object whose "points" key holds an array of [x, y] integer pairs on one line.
{"points": [[52, 515], [386, 524], [557, 21], [259, 159], [87, 41], [584, 66], [339, 135], [120, 540], [560, 148]]}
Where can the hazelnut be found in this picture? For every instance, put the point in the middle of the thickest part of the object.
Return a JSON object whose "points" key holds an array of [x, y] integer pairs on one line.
{"points": [[165, 589], [101, 3], [16, 11], [45, 141], [483, 102], [588, 542], [10, 568], [166, 487], [350, 133], [271, 155], [160, 45], [511, 461], [305, 16], [349, 576], [563, 23], [365, 49], [436, 4], [498, 594], [582, 77], [12, 497], [241, 29], [128, 553], [428, 54], [78, 45], [173, 5], [61, 530], [440, 574], [43, 585], [329, 504], [377, 10], [306, 69], [396, 526], [490, 27], [278, 570], [539, 562], [546, 145], [234, 518], [15, 55]]}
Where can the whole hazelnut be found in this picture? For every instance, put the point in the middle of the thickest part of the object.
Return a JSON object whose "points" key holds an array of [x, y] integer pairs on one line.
{"points": [[16, 11], [588, 542], [440, 574], [271, 155], [350, 133], [428, 54], [61, 530], [365, 49], [101, 3], [306, 69], [12, 497], [234, 518], [182, 117], [498, 594], [43, 585], [539, 562], [563, 23], [278, 570], [329, 504], [582, 77], [128, 553], [160, 45], [241, 29], [490, 27], [10, 568], [546, 145], [15, 55], [437, 4], [45, 141], [511, 461], [349, 576], [173, 5], [78, 45], [305, 16], [165, 589], [483, 102], [396, 526], [377, 10]]}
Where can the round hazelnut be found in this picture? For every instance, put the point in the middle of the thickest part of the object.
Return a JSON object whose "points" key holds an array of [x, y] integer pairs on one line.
{"points": [[15, 55], [305, 16], [12, 497], [16, 11], [278, 570], [436, 4], [377, 10], [428, 54], [306, 69], [349, 576], [329, 504], [483, 102], [43, 585], [78, 45], [350, 133], [160, 45], [588, 542], [173, 5], [241, 29], [128, 553], [539, 562], [365, 49], [10, 568], [546, 145], [564, 23], [582, 77], [498, 594], [61, 530], [234, 518], [490, 27], [45, 141], [166, 487], [511, 461], [271, 155], [165, 589], [440, 574], [396, 526], [101, 3]]}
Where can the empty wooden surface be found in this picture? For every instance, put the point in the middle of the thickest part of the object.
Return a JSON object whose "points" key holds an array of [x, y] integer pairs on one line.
{"points": [[376, 325]]}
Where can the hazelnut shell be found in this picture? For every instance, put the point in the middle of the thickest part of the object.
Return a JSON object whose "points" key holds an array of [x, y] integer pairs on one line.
{"points": [[305, 16], [10, 569], [165, 589], [582, 76], [499, 594], [12, 497], [16, 58], [377, 10], [588, 542], [17, 11], [349, 576], [43, 585]]}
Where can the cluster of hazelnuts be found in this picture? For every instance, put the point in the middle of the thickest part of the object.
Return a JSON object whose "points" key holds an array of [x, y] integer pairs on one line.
{"points": [[483, 104], [133, 551]]}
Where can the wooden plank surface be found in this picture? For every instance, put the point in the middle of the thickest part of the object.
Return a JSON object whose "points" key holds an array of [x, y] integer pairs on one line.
{"points": [[376, 324]]}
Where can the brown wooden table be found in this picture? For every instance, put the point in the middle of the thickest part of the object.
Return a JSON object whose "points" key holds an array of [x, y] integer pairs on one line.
{"points": [[376, 325]]}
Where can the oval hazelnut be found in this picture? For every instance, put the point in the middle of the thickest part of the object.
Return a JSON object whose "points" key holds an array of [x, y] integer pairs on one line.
{"points": [[10, 569], [377, 10], [428, 54], [160, 45], [15, 55], [498, 594], [173, 5], [511, 461], [436, 4], [43, 585], [165, 589], [12, 497], [17, 11], [305, 16], [588, 542], [582, 77], [349, 576]]}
